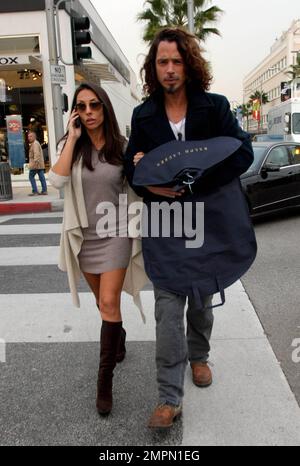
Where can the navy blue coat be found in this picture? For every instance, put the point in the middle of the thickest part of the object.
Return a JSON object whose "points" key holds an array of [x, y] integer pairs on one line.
{"points": [[229, 244]]}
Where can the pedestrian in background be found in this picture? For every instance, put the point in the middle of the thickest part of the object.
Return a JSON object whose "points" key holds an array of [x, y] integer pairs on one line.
{"points": [[90, 167], [36, 165], [178, 106]]}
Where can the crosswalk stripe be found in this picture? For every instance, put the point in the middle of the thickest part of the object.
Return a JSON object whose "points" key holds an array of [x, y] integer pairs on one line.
{"points": [[4, 218], [49, 318], [38, 229], [31, 316], [46, 255]]}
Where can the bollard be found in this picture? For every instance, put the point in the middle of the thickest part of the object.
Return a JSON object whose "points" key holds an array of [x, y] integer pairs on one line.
{"points": [[5, 182]]}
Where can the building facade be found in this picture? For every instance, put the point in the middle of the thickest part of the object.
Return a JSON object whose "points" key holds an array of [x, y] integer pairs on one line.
{"points": [[270, 76], [26, 90]]}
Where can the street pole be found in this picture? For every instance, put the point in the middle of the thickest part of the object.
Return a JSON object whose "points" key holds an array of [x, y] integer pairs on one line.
{"points": [[190, 9], [53, 58], [260, 110], [56, 88]]}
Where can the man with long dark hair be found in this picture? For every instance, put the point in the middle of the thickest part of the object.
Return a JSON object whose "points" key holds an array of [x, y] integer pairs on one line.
{"points": [[178, 106]]}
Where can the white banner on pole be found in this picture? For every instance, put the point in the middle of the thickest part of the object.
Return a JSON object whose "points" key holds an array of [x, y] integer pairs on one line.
{"points": [[2, 90]]}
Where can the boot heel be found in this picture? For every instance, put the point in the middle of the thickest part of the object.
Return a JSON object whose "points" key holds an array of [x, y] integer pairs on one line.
{"points": [[103, 405]]}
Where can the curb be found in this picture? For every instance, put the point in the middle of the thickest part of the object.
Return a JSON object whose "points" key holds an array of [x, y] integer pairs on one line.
{"points": [[57, 206], [28, 207]]}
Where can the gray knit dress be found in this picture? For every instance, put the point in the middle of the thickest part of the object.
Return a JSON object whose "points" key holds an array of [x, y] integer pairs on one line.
{"points": [[105, 246]]}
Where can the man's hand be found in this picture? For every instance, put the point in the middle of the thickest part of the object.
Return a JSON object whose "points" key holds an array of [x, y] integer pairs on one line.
{"points": [[138, 156], [159, 191], [166, 192]]}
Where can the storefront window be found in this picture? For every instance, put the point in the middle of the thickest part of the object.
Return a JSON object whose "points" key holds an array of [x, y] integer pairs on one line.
{"points": [[27, 44], [21, 98]]}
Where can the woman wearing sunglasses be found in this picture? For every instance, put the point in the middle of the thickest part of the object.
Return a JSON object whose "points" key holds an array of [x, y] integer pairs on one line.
{"points": [[90, 167]]}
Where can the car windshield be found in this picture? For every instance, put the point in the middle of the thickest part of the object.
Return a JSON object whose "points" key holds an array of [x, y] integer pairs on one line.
{"points": [[258, 155]]}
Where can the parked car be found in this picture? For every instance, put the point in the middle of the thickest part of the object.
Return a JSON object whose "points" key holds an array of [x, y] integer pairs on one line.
{"points": [[267, 138], [272, 182]]}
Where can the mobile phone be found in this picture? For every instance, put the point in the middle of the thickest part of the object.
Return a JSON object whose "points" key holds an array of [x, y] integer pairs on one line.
{"points": [[77, 123]]}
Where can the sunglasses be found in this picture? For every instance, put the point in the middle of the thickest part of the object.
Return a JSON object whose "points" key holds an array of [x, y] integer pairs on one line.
{"points": [[81, 107]]}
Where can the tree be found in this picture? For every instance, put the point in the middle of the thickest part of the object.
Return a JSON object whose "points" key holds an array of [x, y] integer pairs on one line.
{"points": [[294, 83], [263, 99], [168, 13], [261, 96], [246, 112], [295, 71]]}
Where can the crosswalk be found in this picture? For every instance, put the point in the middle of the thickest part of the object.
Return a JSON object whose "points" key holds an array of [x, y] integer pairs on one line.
{"points": [[51, 354], [40, 326]]}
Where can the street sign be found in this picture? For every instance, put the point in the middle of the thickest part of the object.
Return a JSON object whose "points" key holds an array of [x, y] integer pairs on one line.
{"points": [[58, 74]]}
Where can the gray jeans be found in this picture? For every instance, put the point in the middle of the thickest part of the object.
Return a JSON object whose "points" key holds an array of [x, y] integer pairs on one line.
{"points": [[173, 348]]}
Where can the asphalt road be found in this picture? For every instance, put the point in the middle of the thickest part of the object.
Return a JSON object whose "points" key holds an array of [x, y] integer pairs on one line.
{"points": [[273, 286]]}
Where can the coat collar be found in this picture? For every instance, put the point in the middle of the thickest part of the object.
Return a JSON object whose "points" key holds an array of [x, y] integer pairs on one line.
{"points": [[197, 99], [155, 121]]}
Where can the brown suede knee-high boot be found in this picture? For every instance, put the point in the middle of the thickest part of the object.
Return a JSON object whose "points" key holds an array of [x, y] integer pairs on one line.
{"points": [[109, 344], [122, 348]]}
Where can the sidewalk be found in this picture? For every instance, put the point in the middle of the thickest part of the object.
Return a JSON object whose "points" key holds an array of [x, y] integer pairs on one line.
{"points": [[22, 203]]}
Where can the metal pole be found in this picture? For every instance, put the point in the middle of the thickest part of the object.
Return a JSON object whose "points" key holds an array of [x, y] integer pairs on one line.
{"points": [[59, 51], [190, 9], [56, 88], [261, 109]]}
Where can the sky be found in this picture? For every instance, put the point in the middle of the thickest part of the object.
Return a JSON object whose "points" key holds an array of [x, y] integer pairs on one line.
{"points": [[248, 30]]}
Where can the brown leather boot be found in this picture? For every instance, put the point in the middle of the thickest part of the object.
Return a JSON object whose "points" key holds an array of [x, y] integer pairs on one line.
{"points": [[164, 416], [202, 376], [109, 344]]}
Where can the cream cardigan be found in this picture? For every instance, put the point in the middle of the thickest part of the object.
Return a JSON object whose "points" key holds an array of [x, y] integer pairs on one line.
{"points": [[75, 218]]}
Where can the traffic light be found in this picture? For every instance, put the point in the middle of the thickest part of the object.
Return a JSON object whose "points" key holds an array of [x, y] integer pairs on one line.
{"points": [[80, 36], [64, 103]]}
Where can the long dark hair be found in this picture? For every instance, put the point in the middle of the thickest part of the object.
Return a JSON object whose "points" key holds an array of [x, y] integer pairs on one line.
{"points": [[114, 141], [197, 68]]}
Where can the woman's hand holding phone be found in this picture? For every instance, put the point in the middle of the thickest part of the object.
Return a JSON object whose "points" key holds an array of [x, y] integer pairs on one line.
{"points": [[74, 126], [77, 123]]}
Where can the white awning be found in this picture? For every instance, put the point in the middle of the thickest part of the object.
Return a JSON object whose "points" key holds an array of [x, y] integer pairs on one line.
{"points": [[100, 71], [36, 60]]}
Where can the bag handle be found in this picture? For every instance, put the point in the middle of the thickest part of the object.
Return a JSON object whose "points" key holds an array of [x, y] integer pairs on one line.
{"points": [[198, 299]]}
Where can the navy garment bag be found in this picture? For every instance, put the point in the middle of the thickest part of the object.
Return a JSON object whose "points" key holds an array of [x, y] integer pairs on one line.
{"points": [[229, 246]]}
